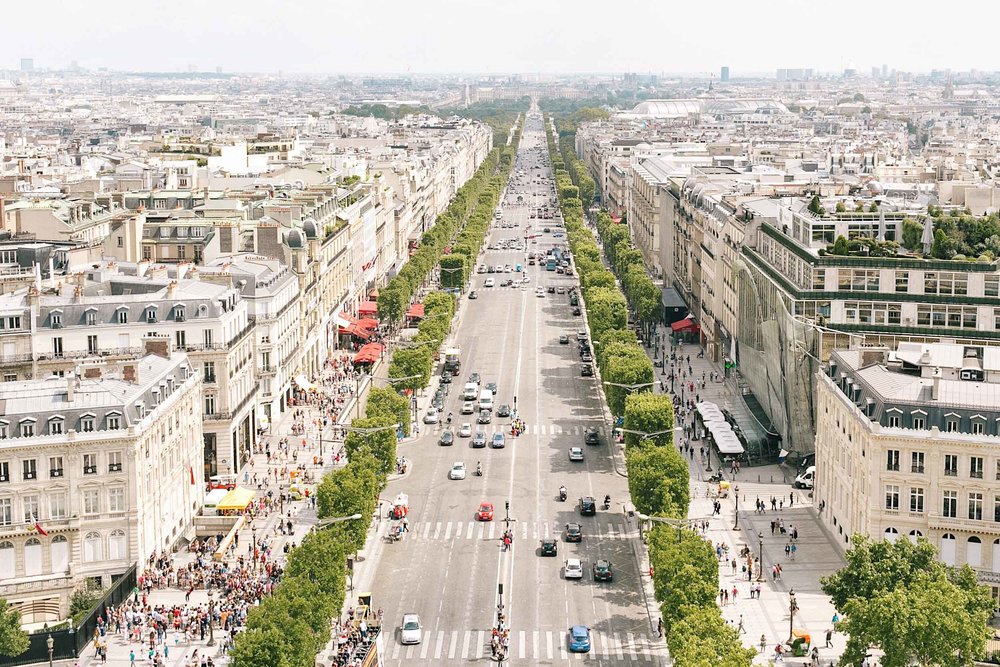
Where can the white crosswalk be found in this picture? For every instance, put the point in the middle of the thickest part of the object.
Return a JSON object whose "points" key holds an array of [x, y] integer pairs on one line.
{"points": [[449, 531], [533, 429], [537, 645]]}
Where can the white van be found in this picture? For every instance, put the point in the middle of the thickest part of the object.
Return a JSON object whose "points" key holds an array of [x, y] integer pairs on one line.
{"points": [[805, 480], [470, 391], [486, 400]]}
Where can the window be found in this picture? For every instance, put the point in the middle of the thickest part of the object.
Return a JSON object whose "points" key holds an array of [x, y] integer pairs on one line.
{"points": [[6, 511], [55, 319], [978, 427], [996, 508], [959, 317], [114, 422], [4, 471], [93, 548], [917, 500], [179, 314], [114, 461], [892, 460], [976, 506], [91, 317], [10, 377], [891, 497], [57, 347], [121, 242], [122, 316], [92, 344], [57, 506], [859, 280], [147, 252], [949, 507], [116, 499], [916, 461], [893, 421], [29, 469], [208, 337], [180, 338], [209, 404], [951, 425], [181, 252], [951, 465], [55, 426], [902, 281], [91, 501], [140, 410], [90, 464], [150, 315], [87, 423], [208, 369], [976, 467], [992, 286], [918, 423], [55, 466], [30, 506]]}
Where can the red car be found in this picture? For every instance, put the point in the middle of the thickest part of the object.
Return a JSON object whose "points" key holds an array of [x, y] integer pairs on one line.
{"points": [[485, 512]]}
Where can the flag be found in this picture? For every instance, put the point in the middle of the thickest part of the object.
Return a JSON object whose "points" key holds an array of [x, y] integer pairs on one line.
{"points": [[37, 527], [191, 470]]}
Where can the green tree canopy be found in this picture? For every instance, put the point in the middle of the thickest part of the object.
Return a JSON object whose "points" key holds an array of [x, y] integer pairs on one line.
{"points": [[701, 638], [658, 481], [649, 413], [13, 640]]}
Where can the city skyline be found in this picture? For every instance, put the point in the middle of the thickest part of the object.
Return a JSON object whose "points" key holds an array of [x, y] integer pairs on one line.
{"points": [[544, 39]]}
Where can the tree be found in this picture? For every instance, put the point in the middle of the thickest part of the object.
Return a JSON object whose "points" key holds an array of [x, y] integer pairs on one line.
{"points": [[260, 648], [606, 309], [391, 303], [342, 493], [841, 208], [912, 233], [649, 413], [658, 480], [943, 246], [379, 442], [453, 271], [413, 363], [840, 246], [13, 640], [387, 402], [815, 207], [685, 571], [702, 638], [630, 370], [873, 207]]}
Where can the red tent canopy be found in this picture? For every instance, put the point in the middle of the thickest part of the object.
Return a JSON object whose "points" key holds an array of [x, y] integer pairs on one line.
{"points": [[687, 324], [368, 308], [369, 353], [374, 295], [416, 311], [368, 323]]}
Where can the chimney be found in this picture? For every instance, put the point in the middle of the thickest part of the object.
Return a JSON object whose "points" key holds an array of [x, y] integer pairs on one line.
{"points": [[130, 373], [925, 357], [158, 345], [141, 268], [71, 384], [77, 294], [936, 384], [3, 214], [171, 289], [32, 296]]}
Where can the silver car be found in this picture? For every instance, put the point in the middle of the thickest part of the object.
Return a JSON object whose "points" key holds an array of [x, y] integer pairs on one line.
{"points": [[409, 629]]}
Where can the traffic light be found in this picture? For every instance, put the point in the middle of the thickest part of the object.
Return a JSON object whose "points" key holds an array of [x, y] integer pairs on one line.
{"points": [[507, 505]]}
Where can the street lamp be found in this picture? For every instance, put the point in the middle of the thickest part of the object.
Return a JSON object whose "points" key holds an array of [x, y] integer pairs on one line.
{"points": [[679, 523], [211, 620], [760, 556], [633, 387], [648, 436], [320, 525], [49, 643], [793, 607], [736, 490]]}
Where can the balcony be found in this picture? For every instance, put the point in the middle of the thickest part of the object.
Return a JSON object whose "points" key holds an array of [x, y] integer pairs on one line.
{"points": [[917, 469], [16, 358], [56, 472], [114, 467], [100, 352]]}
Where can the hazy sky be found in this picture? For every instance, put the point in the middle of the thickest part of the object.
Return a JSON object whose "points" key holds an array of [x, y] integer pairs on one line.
{"points": [[350, 36]]}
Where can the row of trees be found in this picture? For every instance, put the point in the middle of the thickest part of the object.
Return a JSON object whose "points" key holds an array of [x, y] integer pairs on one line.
{"points": [[292, 625], [685, 569]]}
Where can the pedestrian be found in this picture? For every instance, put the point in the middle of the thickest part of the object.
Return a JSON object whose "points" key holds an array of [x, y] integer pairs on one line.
{"points": [[659, 628], [788, 550], [794, 550], [131, 658], [791, 498], [774, 525], [829, 638], [734, 567], [774, 504], [740, 628]]}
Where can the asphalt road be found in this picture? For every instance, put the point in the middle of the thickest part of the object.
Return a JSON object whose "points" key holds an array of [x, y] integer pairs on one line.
{"points": [[448, 567]]}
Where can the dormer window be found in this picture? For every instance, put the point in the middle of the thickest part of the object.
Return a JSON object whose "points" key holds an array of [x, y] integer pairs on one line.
{"points": [[55, 425], [114, 421], [87, 423], [156, 397], [179, 313], [27, 427], [55, 319], [121, 315], [91, 316], [140, 410], [150, 314]]}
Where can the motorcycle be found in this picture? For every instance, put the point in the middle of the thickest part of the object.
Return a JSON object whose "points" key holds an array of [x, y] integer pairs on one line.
{"points": [[716, 478], [607, 502], [562, 493], [479, 470]]}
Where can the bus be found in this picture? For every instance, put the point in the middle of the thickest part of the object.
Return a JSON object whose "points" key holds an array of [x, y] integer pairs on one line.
{"points": [[550, 263]]}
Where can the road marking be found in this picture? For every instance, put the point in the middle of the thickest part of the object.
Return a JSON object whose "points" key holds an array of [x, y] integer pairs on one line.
{"points": [[611, 531], [534, 645], [453, 645], [480, 643], [605, 649], [482, 530], [520, 645], [447, 531], [631, 644], [409, 651], [616, 641], [492, 529], [524, 531], [427, 530], [437, 529], [439, 645], [472, 527], [466, 642], [547, 531], [548, 644], [556, 429], [423, 650], [395, 650]]}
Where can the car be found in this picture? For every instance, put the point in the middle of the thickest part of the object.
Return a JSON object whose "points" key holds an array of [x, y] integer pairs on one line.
{"points": [[579, 639], [573, 569], [588, 506], [490, 269], [525, 280], [409, 629], [492, 386], [481, 269], [549, 548], [581, 335], [457, 470], [591, 436], [577, 311], [438, 401], [574, 532], [499, 268], [479, 439], [602, 570], [560, 290], [576, 454], [503, 411], [489, 282], [465, 430], [447, 438], [485, 512], [540, 293], [473, 294], [474, 378], [506, 282], [468, 407], [550, 289], [546, 230], [433, 416], [497, 441], [586, 356], [485, 417], [573, 301]]}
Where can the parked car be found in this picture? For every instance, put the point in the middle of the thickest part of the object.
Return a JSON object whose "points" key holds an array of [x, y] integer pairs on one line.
{"points": [[433, 416]]}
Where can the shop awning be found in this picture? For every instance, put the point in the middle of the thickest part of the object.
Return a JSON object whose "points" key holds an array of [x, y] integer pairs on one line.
{"points": [[237, 500], [368, 323], [415, 312], [368, 353], [303, 383], [374, 295], [368, 308], [687, 324]]}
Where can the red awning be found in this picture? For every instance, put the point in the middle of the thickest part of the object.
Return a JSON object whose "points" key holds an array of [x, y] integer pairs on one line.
{"points": [[374, 295], [368, 353], [368, 323], [687, 324], [368, 308], [416, 311]]}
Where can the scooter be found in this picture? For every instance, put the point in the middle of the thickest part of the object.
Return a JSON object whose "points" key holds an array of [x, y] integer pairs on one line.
{"points": [[479, 470], [607, 502], [562, 493]]}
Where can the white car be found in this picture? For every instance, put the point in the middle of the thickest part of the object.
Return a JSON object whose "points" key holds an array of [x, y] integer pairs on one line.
{"points": [[573, 569], [457, 470], [540, 293], [465, 430], [409, 629], [433, 416], [468, 407], [575, 454], [526, 280], [489, 282]]}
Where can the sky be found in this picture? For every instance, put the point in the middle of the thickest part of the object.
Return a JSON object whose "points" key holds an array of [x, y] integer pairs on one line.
{"points": [[501, 36]]}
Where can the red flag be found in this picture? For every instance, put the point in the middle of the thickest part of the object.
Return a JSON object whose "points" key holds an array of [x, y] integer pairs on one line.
{"points": [[191, 469], [38, 527]]}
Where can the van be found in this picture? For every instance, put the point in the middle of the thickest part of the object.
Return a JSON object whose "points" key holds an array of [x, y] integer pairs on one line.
{"points": [[486, 400], [470, 391], [805, 480]]}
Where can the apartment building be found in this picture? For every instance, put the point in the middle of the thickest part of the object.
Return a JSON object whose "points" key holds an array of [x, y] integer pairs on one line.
{"points": [[908, 446], [104, 313], [98, 469]]}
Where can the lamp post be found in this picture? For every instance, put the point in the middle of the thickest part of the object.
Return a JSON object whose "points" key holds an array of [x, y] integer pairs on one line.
{"points": [[736, 490], [793, 607], [320, 525], [49, 644], [760, 556], [211, 620]]}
